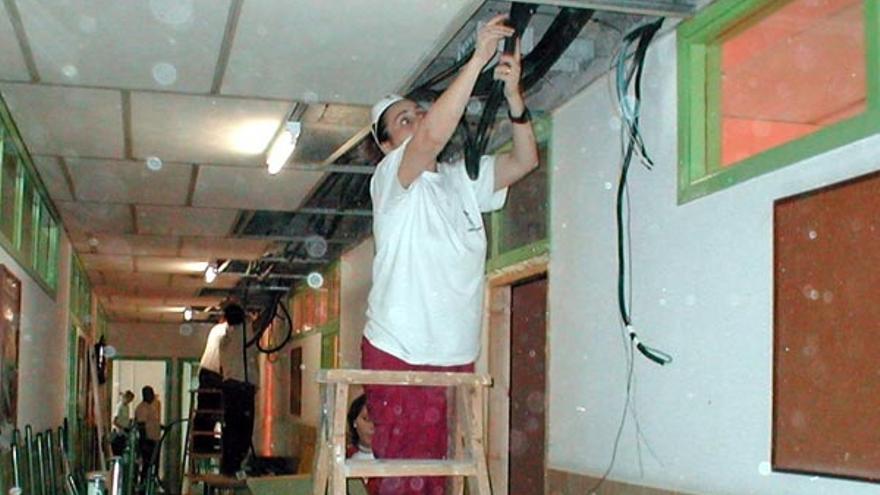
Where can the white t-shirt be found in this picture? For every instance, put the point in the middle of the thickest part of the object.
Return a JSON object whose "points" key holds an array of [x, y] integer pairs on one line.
{"points": [[425, 305], [123, 415], [211, 355]]}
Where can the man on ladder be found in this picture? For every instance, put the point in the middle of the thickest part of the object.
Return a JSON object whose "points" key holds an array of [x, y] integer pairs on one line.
{"points": [[227, 377]]}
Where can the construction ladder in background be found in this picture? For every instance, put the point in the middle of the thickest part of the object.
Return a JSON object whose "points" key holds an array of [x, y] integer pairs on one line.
{"points": [[204, 444], [469, 454]]}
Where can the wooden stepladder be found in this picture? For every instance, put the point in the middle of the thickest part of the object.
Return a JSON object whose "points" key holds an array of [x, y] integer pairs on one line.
{"points": [[468, 451]]}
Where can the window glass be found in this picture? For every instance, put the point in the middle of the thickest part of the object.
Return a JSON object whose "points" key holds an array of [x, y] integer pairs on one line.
{"points": [[796, 70]]}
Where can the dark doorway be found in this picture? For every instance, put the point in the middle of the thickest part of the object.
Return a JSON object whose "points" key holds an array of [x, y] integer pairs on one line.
{"points": [[528, 373]]}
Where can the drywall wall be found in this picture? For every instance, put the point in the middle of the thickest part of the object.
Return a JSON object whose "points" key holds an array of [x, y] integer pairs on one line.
{"points": [[356, 274]]}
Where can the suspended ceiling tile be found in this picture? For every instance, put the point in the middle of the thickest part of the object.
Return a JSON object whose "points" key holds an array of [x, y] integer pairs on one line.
{"points": [[124, 314], [142, 291], [223, 248], [107, 262], [131, 245], [174, 317], [356, 116], [160, 44], [197, 281], [115, 181], [167, 220], [253, 188], [134, 302], [203, 129], [137, 280], [52, 174], [297, 57], [155, 264], [192, 301], [12, 66], [96, 218], [67, 121]]}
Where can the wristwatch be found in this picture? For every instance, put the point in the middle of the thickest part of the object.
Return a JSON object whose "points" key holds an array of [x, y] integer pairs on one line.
{"points": [[524, 117]]}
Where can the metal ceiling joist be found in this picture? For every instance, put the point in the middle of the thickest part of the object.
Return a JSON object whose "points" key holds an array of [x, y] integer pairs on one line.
{"points": [[296, 261], [342, 169], [294, 238], [660, 8], [334, 211]]}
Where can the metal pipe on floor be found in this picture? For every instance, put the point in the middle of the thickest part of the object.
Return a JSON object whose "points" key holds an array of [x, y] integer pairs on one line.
{"points": [[33, 485], [41, 465], [16, 460]]}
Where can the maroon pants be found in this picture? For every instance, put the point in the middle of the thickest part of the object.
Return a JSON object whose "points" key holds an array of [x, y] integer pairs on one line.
{"points": [[410, 422]]}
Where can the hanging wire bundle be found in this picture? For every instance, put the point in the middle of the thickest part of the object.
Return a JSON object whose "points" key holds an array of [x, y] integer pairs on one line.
{"points": [[629, 66]]}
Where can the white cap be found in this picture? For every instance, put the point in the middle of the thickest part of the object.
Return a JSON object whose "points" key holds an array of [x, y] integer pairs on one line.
{"points": [[378, 109]]}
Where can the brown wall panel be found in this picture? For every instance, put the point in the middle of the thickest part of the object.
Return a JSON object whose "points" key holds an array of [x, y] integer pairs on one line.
{"points": [[826, 411]]}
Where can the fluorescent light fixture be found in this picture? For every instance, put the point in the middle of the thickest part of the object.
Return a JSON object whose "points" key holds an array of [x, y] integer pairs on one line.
{"points": [[283, 147], [211, 273], [188, 313], [251, 137]]}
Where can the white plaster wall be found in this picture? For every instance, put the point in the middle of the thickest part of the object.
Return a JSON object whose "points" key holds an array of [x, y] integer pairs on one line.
{"points": [[357, 277], [311, 355], [160, 340], [42, 382], [702, 277]]}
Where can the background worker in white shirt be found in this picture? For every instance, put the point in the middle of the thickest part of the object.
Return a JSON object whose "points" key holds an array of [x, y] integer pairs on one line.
{"points": [[425, 306]]}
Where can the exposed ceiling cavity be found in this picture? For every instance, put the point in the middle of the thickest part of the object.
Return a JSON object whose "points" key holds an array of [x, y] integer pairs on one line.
{"points": [[100, 88], [584, 58]]}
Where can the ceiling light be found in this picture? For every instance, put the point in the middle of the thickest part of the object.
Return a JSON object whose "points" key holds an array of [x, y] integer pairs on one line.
{"points": [[188, 313], [283, 147], [211, 273]]}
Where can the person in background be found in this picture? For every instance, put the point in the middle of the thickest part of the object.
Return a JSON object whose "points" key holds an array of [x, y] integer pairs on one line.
{"points": [[209, 397], [240, 376], [360, 438], [146, 417], [121, 422]]}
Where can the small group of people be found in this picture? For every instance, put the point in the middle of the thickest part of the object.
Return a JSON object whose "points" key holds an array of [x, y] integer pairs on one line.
{"points": [[147, 419], [229, 366]]}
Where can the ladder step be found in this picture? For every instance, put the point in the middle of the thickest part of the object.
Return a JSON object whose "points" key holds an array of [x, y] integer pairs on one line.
{"points": [[206, 391], [208, 411], [381, 468], [205, 433], [205, 455], [217, 480]]}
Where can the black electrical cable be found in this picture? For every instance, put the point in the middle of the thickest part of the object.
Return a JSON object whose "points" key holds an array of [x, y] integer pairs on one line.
{"points": [[566, 26], [520, 14], [268, 316], [562, 32]]}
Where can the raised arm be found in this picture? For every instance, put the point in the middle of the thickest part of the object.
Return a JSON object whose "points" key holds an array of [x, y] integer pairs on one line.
{"points": [[523, 157], [439, 123]]}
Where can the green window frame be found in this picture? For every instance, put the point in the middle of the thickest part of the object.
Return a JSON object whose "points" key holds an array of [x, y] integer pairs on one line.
{"points": [[80, 294], [699, 88], [29, 226]]}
